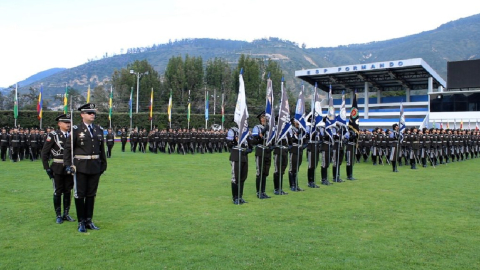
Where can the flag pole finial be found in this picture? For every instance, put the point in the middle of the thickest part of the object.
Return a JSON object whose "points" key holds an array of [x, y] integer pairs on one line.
{"points": [[268, 76], [241, 71]]}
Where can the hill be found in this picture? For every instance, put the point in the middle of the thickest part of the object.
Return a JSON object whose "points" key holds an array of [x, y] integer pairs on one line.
{"points": [[453, 41]]}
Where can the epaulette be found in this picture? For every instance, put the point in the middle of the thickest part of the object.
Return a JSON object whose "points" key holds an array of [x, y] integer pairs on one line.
{"points": [[75, 127]]}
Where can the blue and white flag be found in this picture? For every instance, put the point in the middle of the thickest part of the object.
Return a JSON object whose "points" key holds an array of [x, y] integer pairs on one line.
{"points": [[241, 112], [270, 113], [300, 111], [342, 116], [331, 121], [284, 124], [317, 109]]}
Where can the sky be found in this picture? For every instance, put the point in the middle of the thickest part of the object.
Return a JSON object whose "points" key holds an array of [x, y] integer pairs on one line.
{"points": [[37, 35]]}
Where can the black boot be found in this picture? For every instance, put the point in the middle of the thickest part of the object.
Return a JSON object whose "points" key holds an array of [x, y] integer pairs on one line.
{"points": [[324, 177], [89, 206], [350, 173], [80, 207], [66, 207], [264, 183], [57, 205]]}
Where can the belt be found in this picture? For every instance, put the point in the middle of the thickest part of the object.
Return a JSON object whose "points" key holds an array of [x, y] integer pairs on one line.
{"points": [[87, 157], [282, 147], [110, 140], [4, 141], [33, 141], [15, 140], [57, 160]]}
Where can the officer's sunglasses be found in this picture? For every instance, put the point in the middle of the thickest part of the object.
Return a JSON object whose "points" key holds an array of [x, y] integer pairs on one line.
{"points": [[90, 113]]}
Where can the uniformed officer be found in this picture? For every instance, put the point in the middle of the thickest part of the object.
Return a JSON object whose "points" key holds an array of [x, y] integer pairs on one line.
{"points": [[87, 146], [295, 140], [239, 162], [263, 155], [351, 138], [4, 139], [110, 142], [62, 181], [123, 139], [393, 138]]}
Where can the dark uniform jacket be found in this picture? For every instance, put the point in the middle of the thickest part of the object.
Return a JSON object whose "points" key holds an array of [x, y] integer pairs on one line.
{"points": [[54, 144], [86, 145]]}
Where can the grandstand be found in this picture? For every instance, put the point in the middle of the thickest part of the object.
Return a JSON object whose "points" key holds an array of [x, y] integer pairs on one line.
{"points": [[413, 79]]}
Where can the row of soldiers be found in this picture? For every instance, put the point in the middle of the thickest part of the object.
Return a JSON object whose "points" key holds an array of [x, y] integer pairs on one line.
{"points": [[324, 146], [436, 146], [19, 143], [182, 141]]}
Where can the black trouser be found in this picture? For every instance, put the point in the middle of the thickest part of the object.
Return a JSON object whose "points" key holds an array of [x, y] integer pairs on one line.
{"points": [[85, 190], [109, 150], [312, 156], [3, 153], [263, 169], [123, 146], [281, 162], [296, 157], [239, 175]]}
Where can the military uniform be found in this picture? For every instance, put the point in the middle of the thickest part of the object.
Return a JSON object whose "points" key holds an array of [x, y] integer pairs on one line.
{"points": [[4, 140], [90, 162], [239, 162], [295, 140], [110, 143], [263, 157], [123, 139], [62, 181]]}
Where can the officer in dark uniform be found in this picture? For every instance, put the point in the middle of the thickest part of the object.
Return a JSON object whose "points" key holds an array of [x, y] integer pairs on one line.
{"points": [[393, 138], [15, 142], [295, 140], [239, 162], [89, 162], [123, 139], [62, 181], [110, 142], [4, 139], [263, 155], [351, 138], [133, 141]]}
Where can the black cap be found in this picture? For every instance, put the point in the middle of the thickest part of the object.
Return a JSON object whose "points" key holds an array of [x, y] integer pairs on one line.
{"points": [[89, 107], [260, 115], [394, 126], [63, 118]]}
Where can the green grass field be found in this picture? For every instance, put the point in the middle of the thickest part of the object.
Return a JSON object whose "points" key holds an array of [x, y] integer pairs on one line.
{"points": [[175, 212]]}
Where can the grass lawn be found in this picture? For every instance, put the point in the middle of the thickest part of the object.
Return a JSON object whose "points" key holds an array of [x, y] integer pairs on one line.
{"points": [[175, 212]]}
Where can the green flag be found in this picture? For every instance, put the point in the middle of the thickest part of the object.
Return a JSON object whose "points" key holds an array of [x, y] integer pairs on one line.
{"points": [[15, 103]]}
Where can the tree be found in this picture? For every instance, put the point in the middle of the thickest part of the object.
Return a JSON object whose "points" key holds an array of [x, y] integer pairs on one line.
{"points": [[194, 77], [123, 82], [175, 77], [100, 96], [218, 75]]}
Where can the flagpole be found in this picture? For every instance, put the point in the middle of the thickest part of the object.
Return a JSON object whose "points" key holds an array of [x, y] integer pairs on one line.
{"points": [[223, 110], [188, 116], [15, 105]]}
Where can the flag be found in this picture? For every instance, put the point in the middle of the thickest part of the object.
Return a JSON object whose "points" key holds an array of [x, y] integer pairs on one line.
{"points": [[354, 122], [300, 110], [15, 103], [317, 109], [188, 107], [331, 120], [241, 112], [223, 112], [40, 103], [401, 123], [448, 125], [461, 123], [454, 123], [65, 100], [206, 105], [284, 124], [434, 124], [270, 113], [476, 125], [169, 110], [151, 106], [426, 122], [88, 94], [441, 124], [130, 102], [342, 116], [469, 124], [110, 104]]}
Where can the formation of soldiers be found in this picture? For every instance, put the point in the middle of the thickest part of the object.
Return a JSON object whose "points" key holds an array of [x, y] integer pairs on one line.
{"points": [[17, 144], [181, 141], [418, 147], [325, 146]]}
